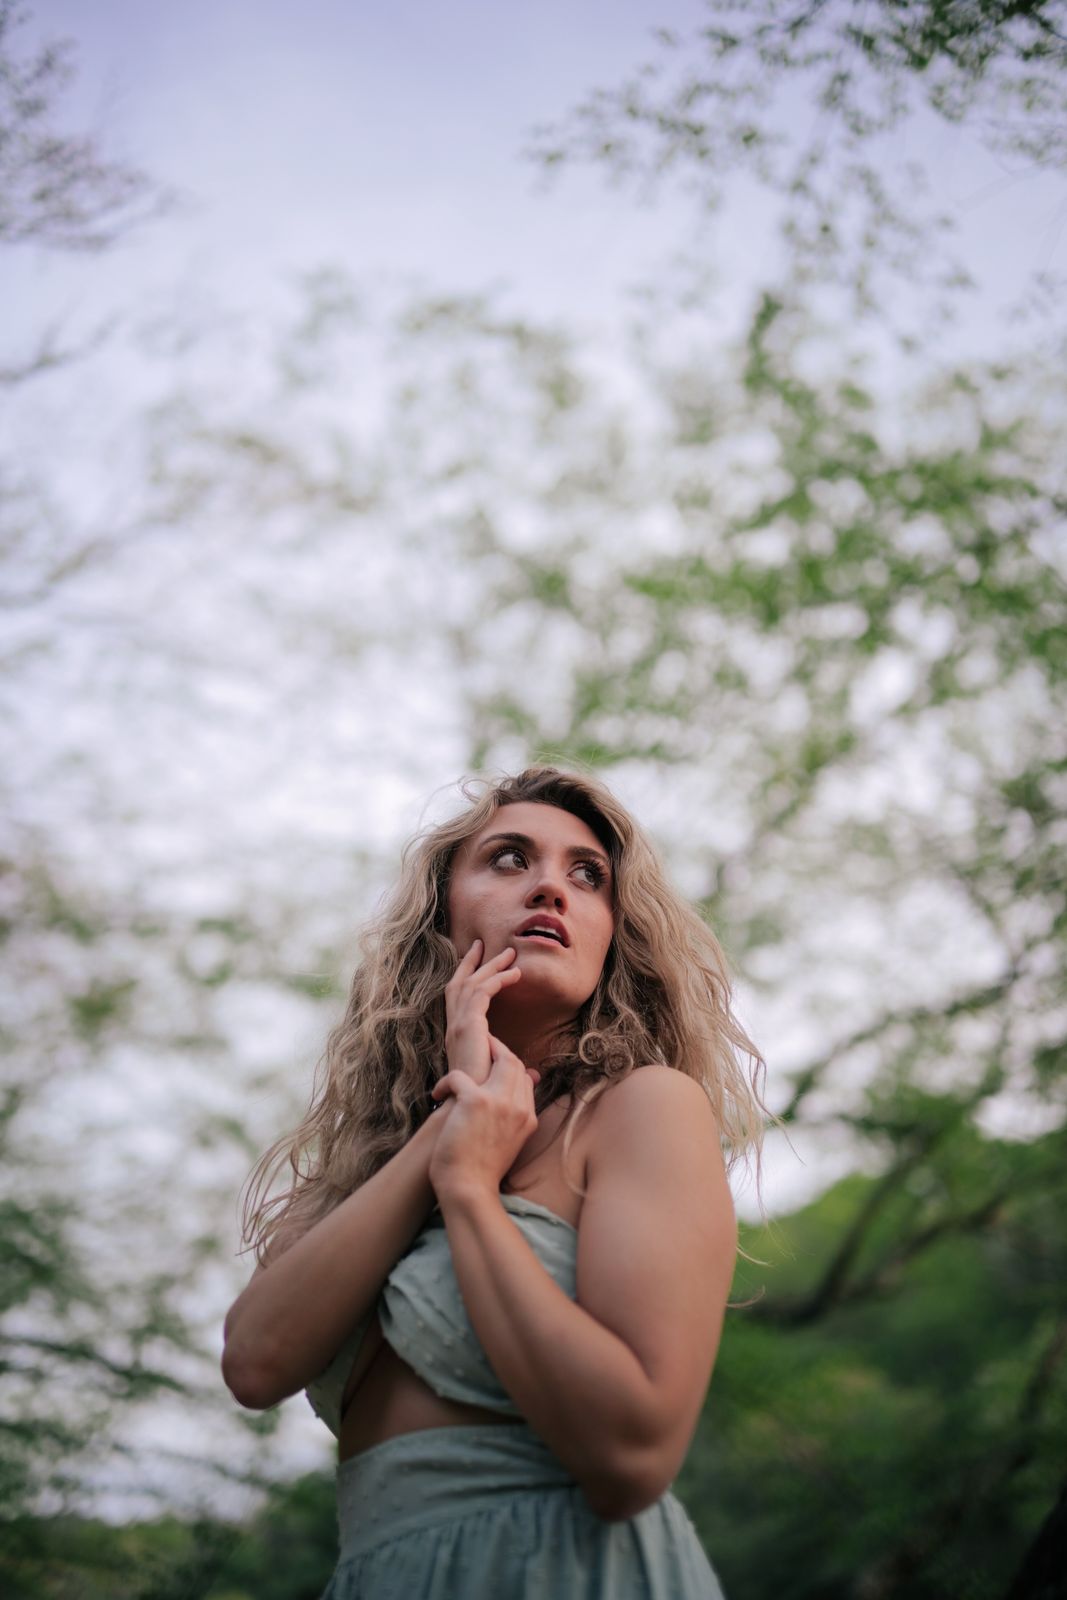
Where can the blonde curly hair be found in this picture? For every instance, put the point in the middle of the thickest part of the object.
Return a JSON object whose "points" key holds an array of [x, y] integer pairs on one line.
{"points": [[663, 996]]}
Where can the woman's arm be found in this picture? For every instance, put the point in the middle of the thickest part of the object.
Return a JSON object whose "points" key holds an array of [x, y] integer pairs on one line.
{"points": [[285, 1327], [613, 1383]]}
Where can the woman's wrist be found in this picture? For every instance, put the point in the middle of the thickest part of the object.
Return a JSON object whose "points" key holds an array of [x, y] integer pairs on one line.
{"points": [[428, 1132], [464, 1193]]}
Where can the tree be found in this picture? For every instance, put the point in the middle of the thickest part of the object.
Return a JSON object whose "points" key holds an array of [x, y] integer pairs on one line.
{"points": [[816, 642], [57, 189], [891, 1446], [72, 1346], [824, 662], [823, 104]]}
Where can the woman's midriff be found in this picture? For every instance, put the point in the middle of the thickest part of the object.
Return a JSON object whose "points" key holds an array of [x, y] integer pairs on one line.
{"points": [[393, 1399]]}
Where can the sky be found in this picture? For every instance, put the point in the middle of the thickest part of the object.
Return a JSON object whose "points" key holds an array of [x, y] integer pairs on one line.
{"points": [[385, 139], [388, 139], [382, 137]]}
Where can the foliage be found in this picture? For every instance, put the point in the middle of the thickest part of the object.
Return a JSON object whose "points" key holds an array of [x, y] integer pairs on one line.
{"points": [[59, 190], [886, 1447], [86, 1329], [285, 1552], [816, 640], [891, 1445], [826, 104], [825, 662]]}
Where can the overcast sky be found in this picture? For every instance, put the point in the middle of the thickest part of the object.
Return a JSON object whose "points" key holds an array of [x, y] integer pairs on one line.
{"points": [[379, 137], [387, 138]]}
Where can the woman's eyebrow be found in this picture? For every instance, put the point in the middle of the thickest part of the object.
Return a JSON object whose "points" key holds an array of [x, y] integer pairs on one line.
{"points": [[576, 852]]}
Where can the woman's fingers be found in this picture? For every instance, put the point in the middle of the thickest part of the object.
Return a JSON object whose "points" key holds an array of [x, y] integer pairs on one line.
{"points": [[501, 1057], [501, 980], [471, 978], [498, 967], [472, 961], [473, 956], [471, 983], [501, 1052], [506, 955], [456, 1083]]}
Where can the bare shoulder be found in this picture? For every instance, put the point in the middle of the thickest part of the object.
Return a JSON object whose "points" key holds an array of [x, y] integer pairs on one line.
{"points": [[657, 1125], [657, 1241], [656, 1083], [673, 1099], [656, 1184]]}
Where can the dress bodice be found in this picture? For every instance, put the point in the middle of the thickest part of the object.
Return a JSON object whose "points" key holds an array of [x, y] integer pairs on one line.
{"points": [[424, 1320]]}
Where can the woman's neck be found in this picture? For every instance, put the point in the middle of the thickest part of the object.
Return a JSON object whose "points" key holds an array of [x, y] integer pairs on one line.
{"points": [[533, 1040]]}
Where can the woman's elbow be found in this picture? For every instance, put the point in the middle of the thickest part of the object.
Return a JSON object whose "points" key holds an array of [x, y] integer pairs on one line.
{"points": [[250, 1383], [626, 1487]]}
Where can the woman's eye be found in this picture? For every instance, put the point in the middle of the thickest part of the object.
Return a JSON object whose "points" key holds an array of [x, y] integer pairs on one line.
{"points": [[512, 858]]}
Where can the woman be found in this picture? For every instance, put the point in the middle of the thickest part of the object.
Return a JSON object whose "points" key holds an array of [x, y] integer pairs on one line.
{"points": [[508, 1310]]}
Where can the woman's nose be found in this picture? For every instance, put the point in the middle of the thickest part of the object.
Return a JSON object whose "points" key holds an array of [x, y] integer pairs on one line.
{"points": [[550, 888]]}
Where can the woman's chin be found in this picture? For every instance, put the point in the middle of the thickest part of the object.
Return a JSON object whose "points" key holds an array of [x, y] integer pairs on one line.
{"points": [[537, 992]]}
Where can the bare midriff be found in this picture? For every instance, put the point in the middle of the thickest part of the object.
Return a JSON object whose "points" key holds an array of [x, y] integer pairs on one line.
{"points": [[392, 1399], [384, 1397]]}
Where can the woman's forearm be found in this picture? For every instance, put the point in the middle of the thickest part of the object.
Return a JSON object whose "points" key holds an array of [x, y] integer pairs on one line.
{"points": [[578, 1385], [286, 1326]]}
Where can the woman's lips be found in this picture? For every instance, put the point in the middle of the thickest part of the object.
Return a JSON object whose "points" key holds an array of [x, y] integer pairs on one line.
{"points": [[543, 922]]}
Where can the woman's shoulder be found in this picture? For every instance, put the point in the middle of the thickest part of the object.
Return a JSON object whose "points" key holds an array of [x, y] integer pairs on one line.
{"points": [[652, 1104], [653, 1144], [653, 1087]]}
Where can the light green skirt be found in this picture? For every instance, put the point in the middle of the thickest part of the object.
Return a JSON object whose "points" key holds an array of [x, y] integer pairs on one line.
{"points": [[487, 1513]]}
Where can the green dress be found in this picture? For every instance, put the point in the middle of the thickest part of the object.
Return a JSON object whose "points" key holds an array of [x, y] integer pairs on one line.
{"points": [[485, 1512]]}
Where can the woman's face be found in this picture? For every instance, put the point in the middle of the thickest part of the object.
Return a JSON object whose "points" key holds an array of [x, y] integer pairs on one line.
{"points": [[535, 866]]}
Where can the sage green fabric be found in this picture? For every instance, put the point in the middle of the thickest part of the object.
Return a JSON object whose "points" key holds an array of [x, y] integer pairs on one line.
{"points": [[487, 1513], [424, 1319]]}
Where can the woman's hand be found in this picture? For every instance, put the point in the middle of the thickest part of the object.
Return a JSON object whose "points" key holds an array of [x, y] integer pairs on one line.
{"points": [[488, 1125], [467, 996], [632, 1353]]}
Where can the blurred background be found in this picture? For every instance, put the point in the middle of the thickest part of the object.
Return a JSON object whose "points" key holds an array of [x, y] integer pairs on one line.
{"points": [[394, 392]]}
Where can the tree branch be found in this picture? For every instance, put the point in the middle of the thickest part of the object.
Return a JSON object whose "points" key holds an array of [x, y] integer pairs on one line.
{"points": [[76, 1351]]}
